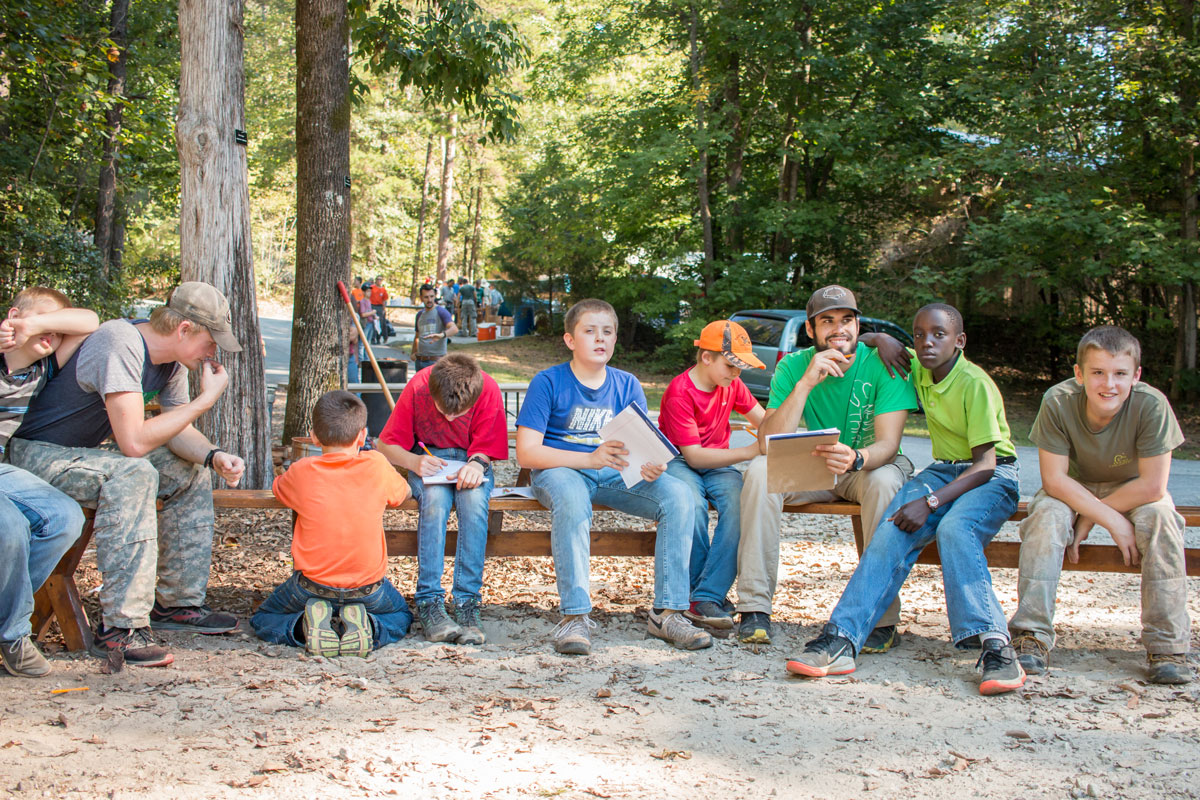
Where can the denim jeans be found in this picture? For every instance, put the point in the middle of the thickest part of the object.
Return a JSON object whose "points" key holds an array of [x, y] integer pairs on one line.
{"points": [[277, 620], [422, 363], [962, 529], [353, 373], [435, 501], [713, 565], [569, 494], [38, 524]]}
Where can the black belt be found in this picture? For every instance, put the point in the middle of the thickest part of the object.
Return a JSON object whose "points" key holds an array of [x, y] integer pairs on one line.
{"points": [[334, 593], [999, 460]]}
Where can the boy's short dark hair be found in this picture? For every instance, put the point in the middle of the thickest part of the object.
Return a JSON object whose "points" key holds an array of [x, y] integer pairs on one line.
{"points": [[955, 315], [338, 417], [592, 304], [455, 382], [427, 288], [1112, 340], [28, 297]]}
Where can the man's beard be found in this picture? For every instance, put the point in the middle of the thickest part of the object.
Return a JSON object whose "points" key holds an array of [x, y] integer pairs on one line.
{"points": [[851, 345]]}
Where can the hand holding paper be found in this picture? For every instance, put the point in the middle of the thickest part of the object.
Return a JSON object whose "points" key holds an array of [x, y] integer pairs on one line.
{"points": [[641, 446]]}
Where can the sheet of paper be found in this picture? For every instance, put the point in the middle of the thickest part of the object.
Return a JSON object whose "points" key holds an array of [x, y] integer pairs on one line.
{"points": [[513, 493], [447, 474], [791, 465], [645, 443]]}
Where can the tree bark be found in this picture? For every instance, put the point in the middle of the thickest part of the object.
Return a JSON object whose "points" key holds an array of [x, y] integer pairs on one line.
{"points": [[214, 217], [322, 207], [475, 227], [735, 156], [416, 273], [1185, 359], [702, 197], [445, 246], [106, 197]]}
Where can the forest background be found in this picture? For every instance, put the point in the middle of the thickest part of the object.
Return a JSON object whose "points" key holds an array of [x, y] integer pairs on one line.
{"points": [[1031, 162]]}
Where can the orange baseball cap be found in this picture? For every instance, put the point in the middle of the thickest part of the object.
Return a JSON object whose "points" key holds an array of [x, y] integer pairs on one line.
{"points": [[730, 340]]}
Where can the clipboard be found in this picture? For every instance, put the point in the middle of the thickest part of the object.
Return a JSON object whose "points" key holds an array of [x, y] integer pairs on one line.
{"points": [[791, 466], [644, 441]]}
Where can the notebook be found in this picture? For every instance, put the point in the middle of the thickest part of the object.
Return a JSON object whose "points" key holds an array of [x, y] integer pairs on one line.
{"points": [[644, 441], [791, 465]]}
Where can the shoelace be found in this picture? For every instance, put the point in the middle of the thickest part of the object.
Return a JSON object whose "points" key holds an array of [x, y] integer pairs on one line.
{"points": [[566, 627], [993, 659], [468, 614], [822, 642]]}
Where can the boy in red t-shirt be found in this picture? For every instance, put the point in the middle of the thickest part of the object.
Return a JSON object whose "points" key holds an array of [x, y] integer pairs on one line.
{"points": [[694, 415], [453, 410], [338, 601]]}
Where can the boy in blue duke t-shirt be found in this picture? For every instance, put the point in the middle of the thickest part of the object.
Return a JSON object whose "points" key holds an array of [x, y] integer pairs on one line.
{"points": [[558, 439]]}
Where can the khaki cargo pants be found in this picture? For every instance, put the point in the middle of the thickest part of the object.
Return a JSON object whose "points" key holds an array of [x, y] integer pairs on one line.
{"points": [[136, 546]]}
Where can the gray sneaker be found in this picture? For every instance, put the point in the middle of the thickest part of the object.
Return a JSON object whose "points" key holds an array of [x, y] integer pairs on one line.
{"points": [[23, 659], [437, 625], [674, 627], [466, 614], [572, 636]]}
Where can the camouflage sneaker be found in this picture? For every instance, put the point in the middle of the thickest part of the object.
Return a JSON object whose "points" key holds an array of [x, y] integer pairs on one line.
{"points": [[136, 646], [320, 639], [358, 636], [437, 625], [22, 659], [466, 614], [197, 619], [675, 628], [572, 635], [1031, 653], [1169, 669]]}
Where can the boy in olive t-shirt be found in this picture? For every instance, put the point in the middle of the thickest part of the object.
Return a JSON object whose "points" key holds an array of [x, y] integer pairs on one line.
{"points": [[1104, 443]]}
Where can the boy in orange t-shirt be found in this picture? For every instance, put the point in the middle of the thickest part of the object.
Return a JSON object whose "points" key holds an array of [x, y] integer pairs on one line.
{"points": [[338, 601]]}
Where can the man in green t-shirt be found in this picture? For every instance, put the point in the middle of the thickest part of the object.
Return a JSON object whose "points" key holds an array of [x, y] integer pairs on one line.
{"points": [[1104, 445], [838, 383]]}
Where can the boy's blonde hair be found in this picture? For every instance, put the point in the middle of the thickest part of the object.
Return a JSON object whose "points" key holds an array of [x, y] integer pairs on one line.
{"points": [[165, 321], [338, 417], [1112, 340], [592, 304], [29, 297]]}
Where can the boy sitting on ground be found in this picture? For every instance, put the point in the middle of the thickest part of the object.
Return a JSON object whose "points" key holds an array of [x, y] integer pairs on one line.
{"points": [[338, 601], [558, 438], [694, 415], [38, 523], [960, 500], [1104, 445], [452, 410]]}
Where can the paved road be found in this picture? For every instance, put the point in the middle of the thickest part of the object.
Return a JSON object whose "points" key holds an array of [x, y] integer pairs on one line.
{"points": [[1185, 475]]}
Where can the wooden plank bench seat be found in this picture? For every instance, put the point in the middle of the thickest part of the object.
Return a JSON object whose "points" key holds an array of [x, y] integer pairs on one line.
{"points": [[59, 597]]}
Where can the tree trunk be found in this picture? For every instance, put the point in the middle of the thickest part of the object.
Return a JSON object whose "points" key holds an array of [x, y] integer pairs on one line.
{"points": [[475, 227], [416, 274], [466, 243], [447, 200], [702, 168], [214, 218], [322, 207], [106, 196], [735, 155], [1185, 359]]}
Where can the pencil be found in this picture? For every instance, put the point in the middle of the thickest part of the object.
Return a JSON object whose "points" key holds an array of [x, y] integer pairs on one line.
{"points": [[426, 449]]}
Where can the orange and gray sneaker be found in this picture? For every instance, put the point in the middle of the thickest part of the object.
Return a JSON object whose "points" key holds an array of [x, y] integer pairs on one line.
{"points": [[1001, 670], [135, 645], [828, 654]]}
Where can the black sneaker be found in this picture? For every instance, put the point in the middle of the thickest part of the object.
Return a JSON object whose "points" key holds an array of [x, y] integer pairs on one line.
{"points": [[135, 644], [706, 612], [197, 619], [755, 628], [1033, 656], [1001, 670], [466, 614], [881, 640], [828, 654]]}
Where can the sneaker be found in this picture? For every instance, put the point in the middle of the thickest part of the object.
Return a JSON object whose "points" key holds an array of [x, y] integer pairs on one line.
{"points": [[1001, 670], [828, 654], [1031, 653], [881, 640], [135, 644], [358, 635], [1164, 668], [197, 619], [755, 628], [706, 612], [466, 614], [320, 639], [436, 623], [22, 658], [676, 628], [572, 636]]}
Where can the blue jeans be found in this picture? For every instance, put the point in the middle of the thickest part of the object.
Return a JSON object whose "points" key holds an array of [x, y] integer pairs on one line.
{"points": [[38, 524], [435, 501], [353, 375], [714, 566], [422, 363], [277, 620], [962, 529], [569, 494]]}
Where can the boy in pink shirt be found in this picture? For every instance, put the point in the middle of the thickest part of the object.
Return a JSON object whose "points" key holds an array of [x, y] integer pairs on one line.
{"points": [[694, 415]]}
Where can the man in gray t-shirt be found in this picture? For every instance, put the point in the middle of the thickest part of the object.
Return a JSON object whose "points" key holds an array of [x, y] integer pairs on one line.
{"points": [[154, 565], [434, 327]]}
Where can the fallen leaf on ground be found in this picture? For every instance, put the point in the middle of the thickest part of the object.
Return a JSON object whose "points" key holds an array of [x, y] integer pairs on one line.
{"points": [[671, 755], [1018, 734]]}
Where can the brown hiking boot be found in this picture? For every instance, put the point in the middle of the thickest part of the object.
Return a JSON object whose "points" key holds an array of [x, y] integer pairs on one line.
{"points": [[1168, 669], [1033, 656]]}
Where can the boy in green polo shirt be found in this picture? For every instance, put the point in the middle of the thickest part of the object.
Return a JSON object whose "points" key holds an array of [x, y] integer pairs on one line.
{"points": [[1104, 444], [960, 500]]}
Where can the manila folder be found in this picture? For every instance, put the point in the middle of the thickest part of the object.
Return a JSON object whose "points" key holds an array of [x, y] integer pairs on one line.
{"points": [[791, 465]]}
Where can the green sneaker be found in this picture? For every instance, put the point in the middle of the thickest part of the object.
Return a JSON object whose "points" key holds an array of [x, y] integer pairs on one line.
{"points": [[358, 636], [320, 639], [881, 640]]}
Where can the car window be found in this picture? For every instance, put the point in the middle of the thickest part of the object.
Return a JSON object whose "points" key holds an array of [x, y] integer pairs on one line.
{"points": [[763, 331], [803, 340]]}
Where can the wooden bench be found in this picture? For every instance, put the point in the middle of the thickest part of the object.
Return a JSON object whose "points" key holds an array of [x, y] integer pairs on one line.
{"points": [[59, 597]]}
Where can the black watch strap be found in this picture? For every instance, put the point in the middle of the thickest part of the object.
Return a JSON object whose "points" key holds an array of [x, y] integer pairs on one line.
{"points": [[480, 461], [858, 461]]}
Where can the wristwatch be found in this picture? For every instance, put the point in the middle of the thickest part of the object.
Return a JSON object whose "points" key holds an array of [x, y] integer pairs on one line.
{"points": [[480, 461], [858, 461], [932, 501]]}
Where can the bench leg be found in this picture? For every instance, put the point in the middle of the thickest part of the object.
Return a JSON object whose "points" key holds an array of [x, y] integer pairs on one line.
{"points": [[856, 524], [59, 597]]}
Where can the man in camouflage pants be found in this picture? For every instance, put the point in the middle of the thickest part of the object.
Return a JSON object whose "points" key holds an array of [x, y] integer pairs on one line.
{"points": [[102, 390]]}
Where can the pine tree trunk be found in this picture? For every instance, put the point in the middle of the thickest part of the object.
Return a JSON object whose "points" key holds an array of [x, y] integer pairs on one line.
{"points": [[416, 273], [106, 195], [214, 218], [447, 201], [702, 169], [1185, 359], [322, 207], [475, 228]]}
